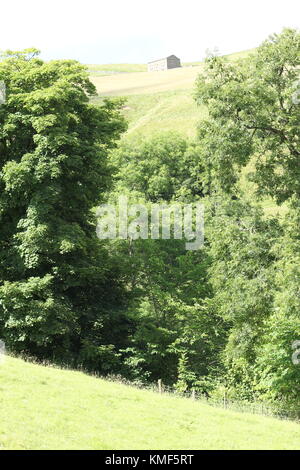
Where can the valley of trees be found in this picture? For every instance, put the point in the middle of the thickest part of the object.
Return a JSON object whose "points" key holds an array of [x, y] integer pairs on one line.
{"points": [[224, 316]]}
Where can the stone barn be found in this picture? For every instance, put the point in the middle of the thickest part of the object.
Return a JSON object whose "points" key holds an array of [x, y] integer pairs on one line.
{"points": [[171, 62]]}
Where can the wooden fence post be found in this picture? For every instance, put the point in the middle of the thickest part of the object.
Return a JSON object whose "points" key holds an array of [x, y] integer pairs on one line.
{"points": [[159, 386], [193, 394], [225, 398]]}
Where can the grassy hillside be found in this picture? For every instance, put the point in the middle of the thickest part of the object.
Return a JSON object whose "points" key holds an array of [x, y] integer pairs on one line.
{"points": [[137, 81], [163, 111], [156, 101], [48, 408], [163, 101], [147, 82], [108, 69]]}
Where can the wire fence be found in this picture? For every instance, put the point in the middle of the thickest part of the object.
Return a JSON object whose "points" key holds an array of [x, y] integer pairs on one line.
{"points": [[275, 410]]}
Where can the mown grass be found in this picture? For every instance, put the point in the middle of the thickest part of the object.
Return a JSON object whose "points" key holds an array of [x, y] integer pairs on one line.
{"points": [[49, 408]]}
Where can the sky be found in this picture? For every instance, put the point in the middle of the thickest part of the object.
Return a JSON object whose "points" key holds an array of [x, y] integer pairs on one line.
{"points": [[138, 31]]}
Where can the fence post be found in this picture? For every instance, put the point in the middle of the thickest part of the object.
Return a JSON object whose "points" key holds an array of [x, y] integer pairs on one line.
{"points": [[159, 386], [225, 398], [193, 394]]}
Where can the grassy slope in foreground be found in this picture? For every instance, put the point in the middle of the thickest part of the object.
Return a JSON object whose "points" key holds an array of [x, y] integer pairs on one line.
{"points": [[48, 408]]}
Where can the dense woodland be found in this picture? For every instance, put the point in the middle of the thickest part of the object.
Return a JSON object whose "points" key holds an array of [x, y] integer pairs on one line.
{"points": [[222, 317]]}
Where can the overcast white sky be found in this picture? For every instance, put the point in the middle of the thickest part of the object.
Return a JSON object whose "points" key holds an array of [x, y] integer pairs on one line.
{"points": [[137, 31]]}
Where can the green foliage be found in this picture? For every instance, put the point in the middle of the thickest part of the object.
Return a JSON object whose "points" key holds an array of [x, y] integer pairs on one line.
{"points": [[252, 113], [219, 320], [281, 377], [240, 275], [254, 273], [57, 283], [163, 168], [166, 312]]}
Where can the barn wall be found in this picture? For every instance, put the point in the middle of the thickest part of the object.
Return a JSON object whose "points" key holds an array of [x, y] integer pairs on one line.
{"points": [[173, 62], [158, 65]]}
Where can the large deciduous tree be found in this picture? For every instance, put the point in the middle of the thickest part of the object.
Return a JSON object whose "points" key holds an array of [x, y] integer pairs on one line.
{"points": [[57, 286], [254, 114]]}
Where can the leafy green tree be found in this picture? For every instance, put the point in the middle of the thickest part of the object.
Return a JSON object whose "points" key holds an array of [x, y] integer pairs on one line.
{"points": [[58, 287], [162, 168], [280, 376], [254, 115], [169, 312], [241, 275]]}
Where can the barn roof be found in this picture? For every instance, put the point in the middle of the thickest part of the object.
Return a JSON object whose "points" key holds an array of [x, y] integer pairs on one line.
{"points": [[168, 57]]}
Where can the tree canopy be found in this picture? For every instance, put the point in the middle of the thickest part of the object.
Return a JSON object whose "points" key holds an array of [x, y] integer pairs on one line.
{"points": [[57, 282], [224, 317], [254, 115]]}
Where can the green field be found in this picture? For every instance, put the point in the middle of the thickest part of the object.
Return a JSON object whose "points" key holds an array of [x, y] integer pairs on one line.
{"points": [[153, 113], [48, 408], [156, 101], [163, 101], [140, 83], [133, 79], [108, 69]]}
